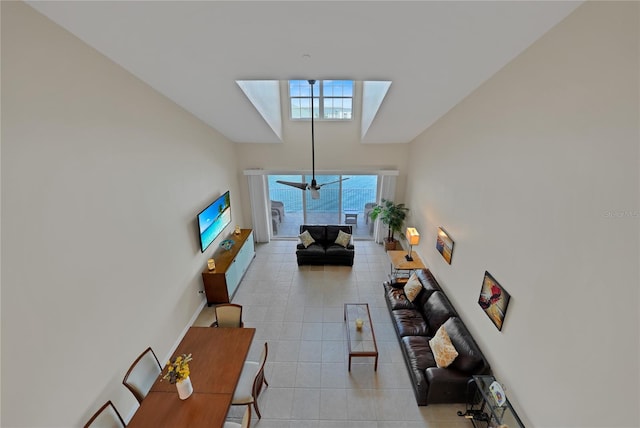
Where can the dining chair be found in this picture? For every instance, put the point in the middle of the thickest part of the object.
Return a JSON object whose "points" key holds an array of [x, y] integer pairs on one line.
{"points": [[142, 373], [228, 315], [246, 421], [250, 383], [106, 416]]}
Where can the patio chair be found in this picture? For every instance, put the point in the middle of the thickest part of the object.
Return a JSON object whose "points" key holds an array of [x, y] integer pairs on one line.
{"points": [[279, 206], [368, 207]]}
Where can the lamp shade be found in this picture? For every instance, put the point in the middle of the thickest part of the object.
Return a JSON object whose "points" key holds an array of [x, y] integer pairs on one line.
{"points": [[413, 237]]}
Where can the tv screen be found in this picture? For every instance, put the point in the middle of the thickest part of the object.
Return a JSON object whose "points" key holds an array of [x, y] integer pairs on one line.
{"points": [[213, 219]]}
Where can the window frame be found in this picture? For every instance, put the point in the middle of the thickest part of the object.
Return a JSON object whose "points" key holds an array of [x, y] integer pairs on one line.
{"points": [[318, 100]]}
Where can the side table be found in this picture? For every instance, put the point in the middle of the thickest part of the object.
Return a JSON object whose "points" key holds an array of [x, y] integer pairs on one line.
{"points": [[351, 217], [399, 263], [483, 410]]}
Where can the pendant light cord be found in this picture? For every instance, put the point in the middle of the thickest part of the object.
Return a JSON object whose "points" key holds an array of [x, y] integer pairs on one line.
{"points": [[313, 150]]}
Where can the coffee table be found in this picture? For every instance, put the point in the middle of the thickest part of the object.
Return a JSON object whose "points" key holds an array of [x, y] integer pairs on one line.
{"points": [[361, 342]]}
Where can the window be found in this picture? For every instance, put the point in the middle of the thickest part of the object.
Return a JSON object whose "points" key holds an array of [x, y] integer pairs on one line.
{"points": [[332, 99]]}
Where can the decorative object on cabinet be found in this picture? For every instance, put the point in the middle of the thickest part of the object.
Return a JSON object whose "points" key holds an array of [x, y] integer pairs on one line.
{"points": [[221, 284], [211, 264], [444, 244], [227, 244], [236, 230], [413, 238], [494, 300]]}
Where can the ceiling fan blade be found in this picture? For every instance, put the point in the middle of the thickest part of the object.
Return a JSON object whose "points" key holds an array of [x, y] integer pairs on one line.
{"points": [[331, 182], [301, 186]]}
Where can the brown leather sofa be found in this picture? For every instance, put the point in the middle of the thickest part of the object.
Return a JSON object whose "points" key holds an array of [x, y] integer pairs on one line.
{"points": [[325, 251], [415, 324]]}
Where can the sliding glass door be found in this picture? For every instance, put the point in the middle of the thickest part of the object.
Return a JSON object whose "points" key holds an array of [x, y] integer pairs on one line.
{"points": [[342, 199]]}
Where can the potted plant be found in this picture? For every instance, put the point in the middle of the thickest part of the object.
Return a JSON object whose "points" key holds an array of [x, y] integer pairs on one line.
{"points": [[393, 216]]}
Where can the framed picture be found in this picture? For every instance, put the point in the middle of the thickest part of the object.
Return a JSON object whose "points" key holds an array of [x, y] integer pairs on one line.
{"points": [[444, 244], [494, 300]]}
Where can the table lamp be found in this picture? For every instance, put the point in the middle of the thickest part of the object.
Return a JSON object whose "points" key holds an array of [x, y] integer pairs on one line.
{"points": [[413, 237]]}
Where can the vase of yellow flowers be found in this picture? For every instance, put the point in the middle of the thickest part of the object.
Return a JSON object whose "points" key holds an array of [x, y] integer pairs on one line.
{"points": [[178, 374]]}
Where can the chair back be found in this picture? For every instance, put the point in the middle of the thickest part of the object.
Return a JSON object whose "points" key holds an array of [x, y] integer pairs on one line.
{"points": [[259, 379], [228, 315], [142, 374], [106, 417]]}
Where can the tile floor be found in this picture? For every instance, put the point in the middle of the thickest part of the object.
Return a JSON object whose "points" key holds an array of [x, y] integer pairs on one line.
{"points": [[299, 312]]}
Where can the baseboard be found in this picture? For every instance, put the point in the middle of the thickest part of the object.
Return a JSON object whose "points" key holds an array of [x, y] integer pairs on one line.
{"points": [[185, 329]]}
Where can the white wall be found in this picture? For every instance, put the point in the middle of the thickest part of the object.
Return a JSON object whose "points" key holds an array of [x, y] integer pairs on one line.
{"points": [[102, 179], [535, 176]]}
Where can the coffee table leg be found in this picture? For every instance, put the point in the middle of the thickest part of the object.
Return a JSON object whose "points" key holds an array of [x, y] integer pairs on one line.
{"points": [[375, 367], [349, 362]]}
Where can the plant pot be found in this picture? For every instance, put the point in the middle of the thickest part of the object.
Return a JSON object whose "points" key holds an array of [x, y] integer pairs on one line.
{"points": [[390, 245], [185, 389]]}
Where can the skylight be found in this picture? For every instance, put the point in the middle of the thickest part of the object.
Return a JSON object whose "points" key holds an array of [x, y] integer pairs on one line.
{"points": [[332, 99]]}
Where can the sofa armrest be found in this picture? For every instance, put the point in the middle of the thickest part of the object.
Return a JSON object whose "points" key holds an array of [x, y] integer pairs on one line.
{"points": [[395, 284], [447, 385]]}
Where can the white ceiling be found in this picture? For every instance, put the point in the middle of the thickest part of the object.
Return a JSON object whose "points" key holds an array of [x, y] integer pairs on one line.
{"points": [[434, 52]]}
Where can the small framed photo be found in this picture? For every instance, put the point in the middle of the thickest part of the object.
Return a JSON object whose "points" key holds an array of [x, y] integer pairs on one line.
{"points": [[444, 244], [494, 300]]}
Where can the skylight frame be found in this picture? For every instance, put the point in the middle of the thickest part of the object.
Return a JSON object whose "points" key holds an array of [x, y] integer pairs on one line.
{"points": [[299, 92]]}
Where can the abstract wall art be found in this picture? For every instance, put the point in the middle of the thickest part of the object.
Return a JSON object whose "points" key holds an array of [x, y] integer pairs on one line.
{"points": [[494, 300]]}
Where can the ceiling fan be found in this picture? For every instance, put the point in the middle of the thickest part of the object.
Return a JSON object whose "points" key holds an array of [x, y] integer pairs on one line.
{"points": [[314, 187]]}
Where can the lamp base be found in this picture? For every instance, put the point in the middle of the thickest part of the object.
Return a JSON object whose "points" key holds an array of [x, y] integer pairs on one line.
{"points": [[409, 258]]}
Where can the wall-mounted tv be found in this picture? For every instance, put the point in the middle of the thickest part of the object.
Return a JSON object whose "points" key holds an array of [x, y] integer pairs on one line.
{"points": [[213, 219]]}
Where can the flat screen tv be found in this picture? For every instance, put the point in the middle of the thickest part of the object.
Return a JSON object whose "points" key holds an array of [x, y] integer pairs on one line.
{"points": [[213, 219]]}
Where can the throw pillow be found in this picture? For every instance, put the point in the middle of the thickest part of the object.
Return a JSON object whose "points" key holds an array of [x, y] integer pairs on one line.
{"points": [[343, 239], [412, 287], [306, 238], [442, 348]]}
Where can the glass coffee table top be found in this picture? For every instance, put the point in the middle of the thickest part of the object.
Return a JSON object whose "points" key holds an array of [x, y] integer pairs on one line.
{"points": [[361, 338]]}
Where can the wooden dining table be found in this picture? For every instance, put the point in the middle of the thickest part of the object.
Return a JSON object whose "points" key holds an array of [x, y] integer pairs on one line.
{"points": [[218, 357]]}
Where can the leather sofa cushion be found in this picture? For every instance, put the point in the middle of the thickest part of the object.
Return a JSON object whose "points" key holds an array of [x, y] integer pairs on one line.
{"points": [[428, 281], [419, 352], [335, 249], [314, 249], [410, 322], [469, 359], [437, 309], [319, 233], [396, 298]]}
